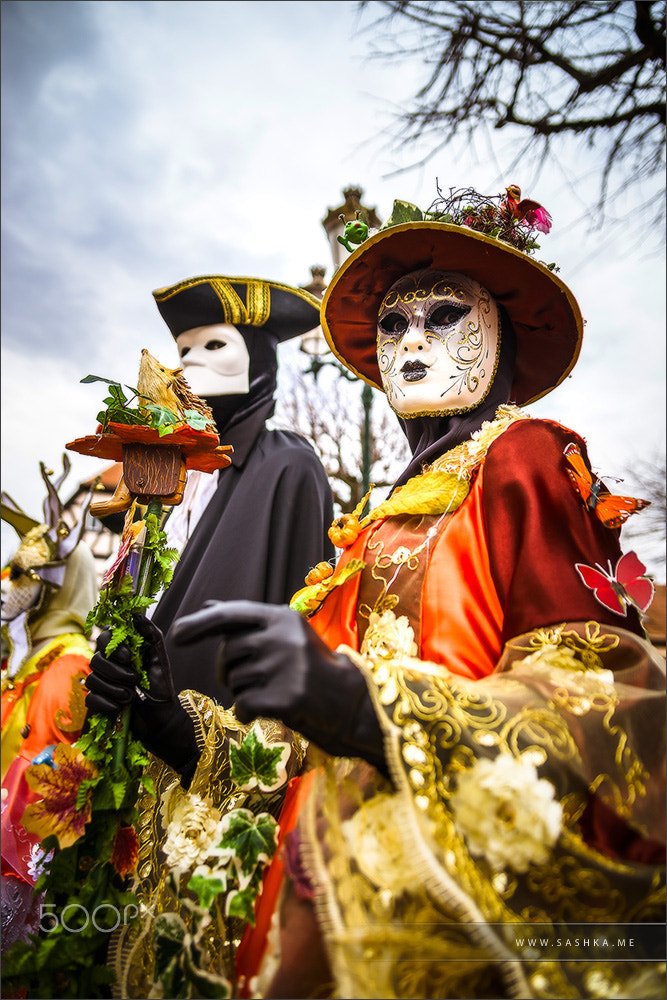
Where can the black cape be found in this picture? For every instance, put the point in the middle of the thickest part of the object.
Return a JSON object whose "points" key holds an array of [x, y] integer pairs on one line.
{"points": [[262, 531]]}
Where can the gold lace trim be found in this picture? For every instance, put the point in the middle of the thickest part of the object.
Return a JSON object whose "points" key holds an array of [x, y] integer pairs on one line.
{"points": [[432, 920]]}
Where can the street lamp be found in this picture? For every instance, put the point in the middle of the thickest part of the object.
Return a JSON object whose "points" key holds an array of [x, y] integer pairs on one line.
{"points": [[313, 343], [315, 346]]}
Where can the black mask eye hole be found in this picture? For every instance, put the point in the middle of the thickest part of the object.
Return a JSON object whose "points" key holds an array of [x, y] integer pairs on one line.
{"points": [[445, 315], [215, 345], [184, 351], [394, 324], [15, 572]]}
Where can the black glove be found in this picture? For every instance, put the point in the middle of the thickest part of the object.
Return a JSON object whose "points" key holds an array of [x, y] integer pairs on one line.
{"points": [[278, 667], [158, 720]]}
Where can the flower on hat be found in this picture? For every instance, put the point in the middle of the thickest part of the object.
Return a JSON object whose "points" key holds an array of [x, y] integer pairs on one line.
{"points": [[502, 216]]}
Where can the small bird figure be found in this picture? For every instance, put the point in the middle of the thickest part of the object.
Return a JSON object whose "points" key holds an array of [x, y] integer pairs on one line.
{"points": [[525, 210]]}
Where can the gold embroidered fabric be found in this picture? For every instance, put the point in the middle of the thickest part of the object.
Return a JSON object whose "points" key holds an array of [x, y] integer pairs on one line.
{"points": [[399, 545], [420, 896], [131, 954]]}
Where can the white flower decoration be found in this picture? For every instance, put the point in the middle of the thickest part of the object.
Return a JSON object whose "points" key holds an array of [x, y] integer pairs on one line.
{"points": [[382, 853], [576, 676], [38, 861], [388, 637], [193, 834], [507, 813]]}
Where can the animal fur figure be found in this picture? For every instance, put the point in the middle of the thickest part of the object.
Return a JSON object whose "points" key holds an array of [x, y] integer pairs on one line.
{"points": [[168, 388]]}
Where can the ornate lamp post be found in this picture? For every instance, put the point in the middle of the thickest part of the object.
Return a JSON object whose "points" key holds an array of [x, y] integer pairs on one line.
{"points": [[313, 343]]}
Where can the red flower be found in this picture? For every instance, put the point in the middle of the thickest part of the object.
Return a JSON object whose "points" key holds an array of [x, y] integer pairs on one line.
{"points": [[125, 850]]}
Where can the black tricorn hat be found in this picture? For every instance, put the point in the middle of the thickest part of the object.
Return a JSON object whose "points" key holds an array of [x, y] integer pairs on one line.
{"points": [[281, 310]]}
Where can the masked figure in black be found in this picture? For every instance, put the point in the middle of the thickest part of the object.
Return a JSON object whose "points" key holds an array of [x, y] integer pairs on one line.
{"points": [[255, 530]]}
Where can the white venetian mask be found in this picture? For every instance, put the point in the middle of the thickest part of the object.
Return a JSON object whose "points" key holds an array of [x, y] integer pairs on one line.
{"points": [[438, 343], [215, 360]]}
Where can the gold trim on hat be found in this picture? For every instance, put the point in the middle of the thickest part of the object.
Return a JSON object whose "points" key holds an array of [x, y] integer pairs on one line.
{"points": [[258, 292], [257, 310]]}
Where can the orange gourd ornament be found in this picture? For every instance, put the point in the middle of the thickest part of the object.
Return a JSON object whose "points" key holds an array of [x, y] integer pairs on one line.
{"points": [[346, 529]]}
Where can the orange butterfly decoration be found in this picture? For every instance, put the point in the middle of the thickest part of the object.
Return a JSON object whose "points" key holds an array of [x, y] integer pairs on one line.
{"points": [[612, 510]]}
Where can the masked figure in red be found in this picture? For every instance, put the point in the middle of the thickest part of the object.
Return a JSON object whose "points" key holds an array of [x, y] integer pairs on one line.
{"points": [[475, 670]]}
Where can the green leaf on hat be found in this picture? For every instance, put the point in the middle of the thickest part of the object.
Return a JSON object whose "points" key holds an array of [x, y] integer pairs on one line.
{"points": [[403, 211]]}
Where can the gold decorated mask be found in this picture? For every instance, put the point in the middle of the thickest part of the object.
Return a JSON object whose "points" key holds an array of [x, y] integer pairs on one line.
{"points": [[438, 342]]}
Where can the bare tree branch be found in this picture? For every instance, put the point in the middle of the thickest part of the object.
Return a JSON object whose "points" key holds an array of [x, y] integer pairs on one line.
{"points": [[329, 414], [594, 69]]}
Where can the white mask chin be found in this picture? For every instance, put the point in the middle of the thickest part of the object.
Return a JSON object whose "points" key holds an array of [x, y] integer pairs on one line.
{"points": [[438, 343], [215, 360]]}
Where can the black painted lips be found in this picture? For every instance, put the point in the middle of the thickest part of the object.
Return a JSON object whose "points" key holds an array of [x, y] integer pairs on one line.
{"points": [[413, 371]]}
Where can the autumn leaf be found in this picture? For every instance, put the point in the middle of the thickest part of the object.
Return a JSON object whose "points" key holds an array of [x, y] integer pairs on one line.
{"points": [[125, 850], [57, 812]]}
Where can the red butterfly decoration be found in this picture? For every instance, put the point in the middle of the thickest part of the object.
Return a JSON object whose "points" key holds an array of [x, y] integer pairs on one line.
{"points": [[612, 510], [628, 584]]}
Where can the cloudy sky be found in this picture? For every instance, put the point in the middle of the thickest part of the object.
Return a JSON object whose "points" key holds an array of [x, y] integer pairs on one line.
{"points": [[147, 142]]}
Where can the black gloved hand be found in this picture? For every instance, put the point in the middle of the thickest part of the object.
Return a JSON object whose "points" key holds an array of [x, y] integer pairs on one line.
{"points": [[278, 667], [157, 719]]}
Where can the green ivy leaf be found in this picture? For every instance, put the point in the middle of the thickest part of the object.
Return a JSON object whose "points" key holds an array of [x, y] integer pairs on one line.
{"points": [[206, 888], [256, 763], [241, 903], [196, 420], [252, 838], [403, 211], [207, 984], [169, 938]]}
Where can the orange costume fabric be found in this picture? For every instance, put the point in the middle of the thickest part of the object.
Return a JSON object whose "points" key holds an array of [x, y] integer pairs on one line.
{"points": [[499, 566], [502, 564], [43, 704]]}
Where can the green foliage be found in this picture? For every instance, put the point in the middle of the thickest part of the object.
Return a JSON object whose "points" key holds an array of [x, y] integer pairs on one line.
{"points": [[226, 877], [178, 962], [403, 211], [65, 959], [119, 410], [206, 888], [251, 838], [241, 903], [257, 763]]}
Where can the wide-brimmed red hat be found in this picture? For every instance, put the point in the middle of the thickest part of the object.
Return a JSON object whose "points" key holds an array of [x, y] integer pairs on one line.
{"points": [[543, 311]]}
